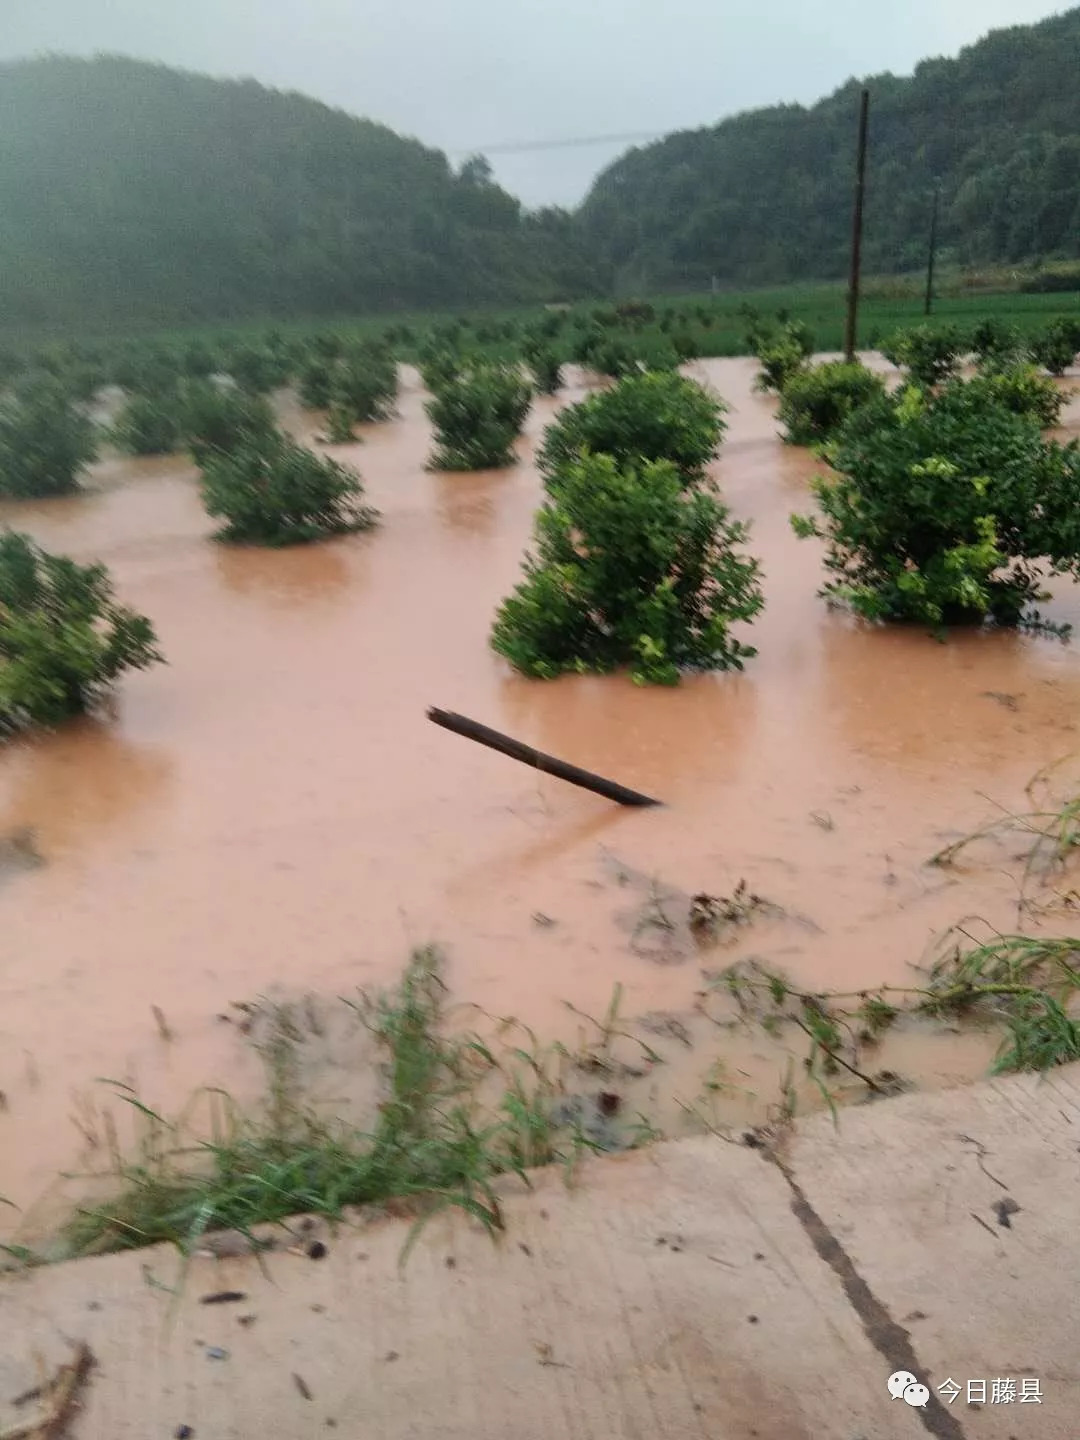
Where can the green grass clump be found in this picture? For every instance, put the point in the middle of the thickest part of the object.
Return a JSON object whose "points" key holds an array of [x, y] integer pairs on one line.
{"points": [[433, 1140]]}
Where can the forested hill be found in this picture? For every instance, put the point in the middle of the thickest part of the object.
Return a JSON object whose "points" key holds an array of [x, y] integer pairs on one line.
{"points": [[765, 196], [132, 191]]}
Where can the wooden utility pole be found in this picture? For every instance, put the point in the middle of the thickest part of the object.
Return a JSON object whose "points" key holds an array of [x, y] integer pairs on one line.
{"points": [[851, 332], [933, 252]]}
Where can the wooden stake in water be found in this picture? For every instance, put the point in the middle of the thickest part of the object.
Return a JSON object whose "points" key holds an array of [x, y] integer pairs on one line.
{"points": [[495, 740], [851, 331]]}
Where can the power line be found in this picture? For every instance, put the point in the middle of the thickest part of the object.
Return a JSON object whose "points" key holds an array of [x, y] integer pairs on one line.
{"points": [[520, 147]]}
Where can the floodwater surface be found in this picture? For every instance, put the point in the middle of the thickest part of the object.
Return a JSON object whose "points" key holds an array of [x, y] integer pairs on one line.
{"points": [[272, 811]]}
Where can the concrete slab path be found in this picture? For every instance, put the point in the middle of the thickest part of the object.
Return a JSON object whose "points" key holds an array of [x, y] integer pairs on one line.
{"points": [[697, 1289]]}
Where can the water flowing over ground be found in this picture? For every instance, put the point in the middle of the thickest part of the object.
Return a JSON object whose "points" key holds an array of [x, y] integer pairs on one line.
{"points": [[273, 812]]}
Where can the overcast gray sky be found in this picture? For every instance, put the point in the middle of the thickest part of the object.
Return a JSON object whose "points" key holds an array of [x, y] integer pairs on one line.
{"points": [[464, 74]]}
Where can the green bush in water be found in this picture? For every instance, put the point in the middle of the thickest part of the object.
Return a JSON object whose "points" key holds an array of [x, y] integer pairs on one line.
{"points": [[815, 401], [994, 343], [365, 385], [220, 418], [477, 417], [546, 371], [942, 508], [316, 387], [655, 416], [63, 639], [46, 441], [930, 354], [782, 350], [270, 491], [152, 424], [1055, 348], [258, 369], [1021, 389], [631, 568]]}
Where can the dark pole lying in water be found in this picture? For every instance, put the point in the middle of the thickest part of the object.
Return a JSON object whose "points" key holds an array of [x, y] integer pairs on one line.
{"points": [[472, 730], [932, 254], [851, 330]]}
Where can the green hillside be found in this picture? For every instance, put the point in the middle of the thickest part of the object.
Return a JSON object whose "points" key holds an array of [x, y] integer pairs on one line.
{"points": [[132, 191], [764, 197]]}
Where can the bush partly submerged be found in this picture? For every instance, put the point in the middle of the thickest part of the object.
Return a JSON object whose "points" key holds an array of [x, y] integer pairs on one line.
{"points": [[657, 416], [46, 441], [270, 491], [816, 401], [943, 507], [631, 568], [478, 414], [63, 639]]}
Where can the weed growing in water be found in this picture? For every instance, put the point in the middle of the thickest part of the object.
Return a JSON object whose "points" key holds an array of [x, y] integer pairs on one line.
{"points": [[437, 1139]]}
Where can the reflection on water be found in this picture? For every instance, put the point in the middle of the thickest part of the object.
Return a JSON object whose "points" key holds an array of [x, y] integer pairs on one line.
{"points": [[82, 786], [273, 808], [300, 575], [468, 502]]}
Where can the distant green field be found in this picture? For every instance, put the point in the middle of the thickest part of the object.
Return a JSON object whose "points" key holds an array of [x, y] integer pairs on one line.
{"points": [[717, 322]]}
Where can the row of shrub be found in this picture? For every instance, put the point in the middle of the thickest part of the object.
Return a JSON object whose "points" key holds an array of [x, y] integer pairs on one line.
{"points": [[946, 504]]}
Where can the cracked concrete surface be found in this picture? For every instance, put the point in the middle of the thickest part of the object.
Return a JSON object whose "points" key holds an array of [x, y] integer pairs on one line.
{"points": [[695, 1289]]}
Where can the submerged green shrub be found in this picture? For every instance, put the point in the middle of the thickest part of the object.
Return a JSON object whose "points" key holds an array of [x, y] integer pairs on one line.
{"points": [[258, 369], [930, 354], [546, 371], [152, 424], [942, 508], [221, 418], [270, 491], [439, 366], [365, 385], [63, 639], [1055, 348], [477, 417], [46, 442], [1021, 389], [656, 416], [815, 401], [316, 387], [994, 343], [782, 350], [631, 568]]}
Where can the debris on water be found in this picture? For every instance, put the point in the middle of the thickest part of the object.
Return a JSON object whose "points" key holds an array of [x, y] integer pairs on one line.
{"points": [[216, 1352], [586, 1113], [1003, 1209], [716, 918], [544, 921], [608, 1102], [663, 1023], [301, 1385], [1003, 698], [183, 1432], [231, 1244], [223, 1297], [316, 1250], [887, 1083], [823, 819], [19, 851]]}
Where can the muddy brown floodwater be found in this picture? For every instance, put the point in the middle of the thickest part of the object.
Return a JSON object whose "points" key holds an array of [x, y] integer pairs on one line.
{"points": [[273, 813]]}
